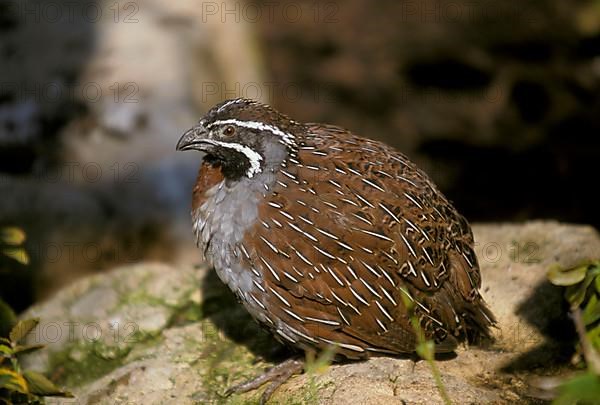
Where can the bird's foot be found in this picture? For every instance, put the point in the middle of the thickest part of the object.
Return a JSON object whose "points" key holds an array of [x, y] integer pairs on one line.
{"points": [[276, 376]]}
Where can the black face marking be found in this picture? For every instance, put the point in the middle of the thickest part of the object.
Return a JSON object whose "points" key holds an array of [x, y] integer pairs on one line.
{"points": [[234, 165]]}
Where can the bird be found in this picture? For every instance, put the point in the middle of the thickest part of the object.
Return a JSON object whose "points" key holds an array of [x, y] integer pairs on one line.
{"points": [[329, 239]]}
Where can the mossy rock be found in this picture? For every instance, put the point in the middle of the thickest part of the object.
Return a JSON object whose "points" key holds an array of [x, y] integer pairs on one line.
{"points": [[154, 334]]}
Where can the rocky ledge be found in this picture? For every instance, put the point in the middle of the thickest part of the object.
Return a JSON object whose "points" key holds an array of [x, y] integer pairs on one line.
{"points": [[154, 334]]}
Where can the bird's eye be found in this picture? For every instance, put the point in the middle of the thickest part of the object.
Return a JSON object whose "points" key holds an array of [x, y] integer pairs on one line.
{"points": [[228, 131]]}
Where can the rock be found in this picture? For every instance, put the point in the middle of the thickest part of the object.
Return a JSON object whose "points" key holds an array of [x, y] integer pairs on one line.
{"points": [[154, 334]]}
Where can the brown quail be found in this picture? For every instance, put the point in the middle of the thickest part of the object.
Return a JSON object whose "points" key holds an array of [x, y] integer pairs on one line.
{"points": [[323, 235]]}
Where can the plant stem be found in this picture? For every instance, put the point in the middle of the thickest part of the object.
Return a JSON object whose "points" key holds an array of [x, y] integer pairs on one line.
{"points": [[438, 382], [591, 356]]}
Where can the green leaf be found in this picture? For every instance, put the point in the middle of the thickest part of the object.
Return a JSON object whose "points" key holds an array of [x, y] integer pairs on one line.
{"points": [[584, 388], [575, 294], [40, 385], [6, 351], [594, 337], [27, 349], [4, 379], [566, 277], [12, 236], [22, 328], [17, 254], [591, 312], [594, 269], [13, 381], [8, 319]]}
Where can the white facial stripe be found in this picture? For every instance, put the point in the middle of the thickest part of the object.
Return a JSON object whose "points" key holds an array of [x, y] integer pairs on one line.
{"points": [[253, 157], [286, 137]]}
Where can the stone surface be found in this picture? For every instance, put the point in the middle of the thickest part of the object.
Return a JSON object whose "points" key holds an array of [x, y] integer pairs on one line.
{"points": [[154, 334]]}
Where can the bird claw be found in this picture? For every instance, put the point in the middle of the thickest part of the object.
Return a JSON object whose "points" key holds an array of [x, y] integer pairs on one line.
{"points": [[276, 376]]}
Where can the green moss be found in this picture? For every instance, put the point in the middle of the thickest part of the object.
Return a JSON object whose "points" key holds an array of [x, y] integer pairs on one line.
{"points": [[225, 363], [140, 297], [184, 312], [309, 395], [80, 363], [188, 313], [230, 346]]}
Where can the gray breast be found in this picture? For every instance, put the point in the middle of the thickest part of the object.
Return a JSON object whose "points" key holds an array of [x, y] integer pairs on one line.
{"points": [[220, 225]]}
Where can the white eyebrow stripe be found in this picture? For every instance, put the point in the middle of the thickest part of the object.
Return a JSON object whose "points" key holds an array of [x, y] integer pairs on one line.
{"points": [[253, 157], [230, 102], [286, 137]]}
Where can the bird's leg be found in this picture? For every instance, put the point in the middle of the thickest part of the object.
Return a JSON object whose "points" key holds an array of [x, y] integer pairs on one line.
{"points": [[277, 375]]}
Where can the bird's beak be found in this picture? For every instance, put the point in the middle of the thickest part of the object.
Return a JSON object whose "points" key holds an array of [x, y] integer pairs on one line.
{"points": [[192, 139]]}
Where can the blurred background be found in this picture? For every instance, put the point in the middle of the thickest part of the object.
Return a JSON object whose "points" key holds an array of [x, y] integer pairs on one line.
{"points": [[498, 101]]}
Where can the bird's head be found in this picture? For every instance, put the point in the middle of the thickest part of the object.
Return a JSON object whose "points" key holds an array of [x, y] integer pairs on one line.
{"points": [[243, 136]]}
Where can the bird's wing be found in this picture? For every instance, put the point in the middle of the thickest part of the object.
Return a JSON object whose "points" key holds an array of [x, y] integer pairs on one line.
{"points": [[352, 233]]}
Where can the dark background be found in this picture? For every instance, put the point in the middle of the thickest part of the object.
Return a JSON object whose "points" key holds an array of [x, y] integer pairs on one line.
{"points": [[498, 101]]}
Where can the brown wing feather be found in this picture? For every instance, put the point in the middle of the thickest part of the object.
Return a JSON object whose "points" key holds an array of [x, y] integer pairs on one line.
{"points": [[364, 234]]}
